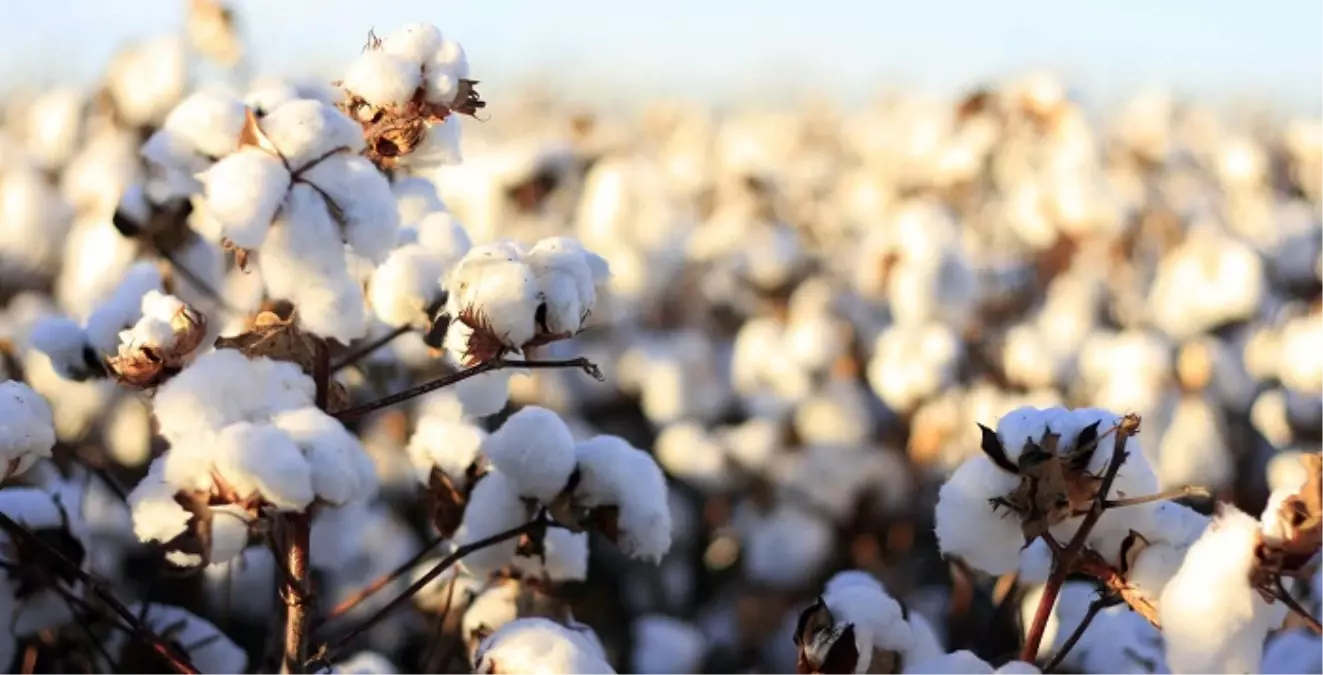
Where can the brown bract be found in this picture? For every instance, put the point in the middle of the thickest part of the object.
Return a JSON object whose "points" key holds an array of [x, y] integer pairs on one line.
{"points": [[196, 539], [817, 630], [146, 366], [446, 501], [281, 340], [394, 131], [1055, 484]]}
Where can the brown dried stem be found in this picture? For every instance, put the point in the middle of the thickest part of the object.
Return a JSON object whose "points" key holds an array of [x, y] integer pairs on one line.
{"points": [[1294, 605], [487, 366], [296, 594], [330, 653], [380, 582], [177, 661], [1065, 562]]}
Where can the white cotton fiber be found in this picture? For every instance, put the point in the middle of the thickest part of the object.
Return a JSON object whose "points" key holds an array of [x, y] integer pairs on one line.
{"points": [[566, 557], [440, 146], [493, 284], [365, 200], [413, 42], [536, 645], [27, 428], [121, 308], [966, 524], [263, 459], [450, 446], [304, 130], [156, 514], [382, 78], [443, 71], [442, 233], [614, 473], [229, 533], [243, 192], [64, 342], [403, 286], [341, 469], [536, 450], [210, 122], [494, 507]]}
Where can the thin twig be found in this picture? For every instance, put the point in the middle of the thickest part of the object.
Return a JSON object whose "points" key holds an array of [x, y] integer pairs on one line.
{"points": [[331, 653], [1065, 562], [1291, 603], [349, 603], [179, 662], [430, 656], [351, 357], [1174, 493], [1094, 608], [495, 364], [1092, 564]]}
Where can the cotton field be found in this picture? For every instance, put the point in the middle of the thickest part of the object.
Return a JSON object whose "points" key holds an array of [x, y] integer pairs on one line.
{"points": [[380, 374]]}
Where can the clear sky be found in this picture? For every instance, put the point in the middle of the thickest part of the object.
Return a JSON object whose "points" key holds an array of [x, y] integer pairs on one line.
{"points": [[726, 48]]}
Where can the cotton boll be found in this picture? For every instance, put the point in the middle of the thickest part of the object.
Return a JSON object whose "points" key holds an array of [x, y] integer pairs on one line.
{"points": [[1193, 450], [223, 387], [566, 557], [535, 449], [962, 661], [65, 344], [688, 452], [837, 415], [76, 405], [441, 233], [403, 287], [485, 394], [413, 42], [383, 78], [209, 122], [122, 308], [785, 548], [493, 284], [910, 364], [128, 432], [967, 526], [493, 608], [1155, 565], [146, 80], [664, 644], [415, 197], [265, 460], [156, 514], [229, 533], [341, 470], [304, 130], [54, 126], [1035, 562], [33, 223], [440, 146], [443, 71], [1300, 366], [539, 645], [560, 266], [614, 473], [1212, 619], [450, 446], [27, 427], [365, 203], [1071, 605], [494, 507], [303, 260], [243, 192]]}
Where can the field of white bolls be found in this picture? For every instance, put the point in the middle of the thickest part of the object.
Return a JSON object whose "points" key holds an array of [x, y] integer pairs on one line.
{"points": [[293, 384]]}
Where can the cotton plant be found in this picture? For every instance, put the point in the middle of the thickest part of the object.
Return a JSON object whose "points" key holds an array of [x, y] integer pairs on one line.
{"points": [[541, 645]]}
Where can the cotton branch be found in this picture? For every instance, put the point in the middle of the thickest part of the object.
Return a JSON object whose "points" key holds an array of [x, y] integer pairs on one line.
{"points": [[487, 366], [179, 662], [329, 654], [1064, 562], [380, 582]]}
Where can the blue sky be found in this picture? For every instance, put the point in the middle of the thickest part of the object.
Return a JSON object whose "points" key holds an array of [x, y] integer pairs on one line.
{"points": [[723, 49]]}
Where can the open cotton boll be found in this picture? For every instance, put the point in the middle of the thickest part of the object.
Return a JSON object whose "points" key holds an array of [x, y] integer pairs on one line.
{"points": [[536, 450], [365, 201], [614, 473], [566, 557], [303, 260], [838, 414], [65, 343], [27, 428], [566, 283], [127, 431], [415, 197], [450, 446], [910, 364], [414, 42], [205, 646], [440, 146], [156, 514], [440, 232], [224, 386], [1071, 605], [262, 459], [403, 287], [443, 71], [967, 526], [1155, 565], [494, 507], [208, 122], [304, 130], [493, 285], [665, 644], [536, 645], [494, 607], [785, 548], [341, 469], [1212, 618], [692, 454], [243, 192], [383, 78], [1193, 450]]}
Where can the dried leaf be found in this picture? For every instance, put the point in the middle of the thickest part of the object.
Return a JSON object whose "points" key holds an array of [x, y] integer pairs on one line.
{"points": [[992, 447], [1133, 544], [281, 340]]}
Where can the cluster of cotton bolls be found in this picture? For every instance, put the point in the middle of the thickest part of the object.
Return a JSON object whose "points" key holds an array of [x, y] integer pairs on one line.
{"points": [[278, 363]]}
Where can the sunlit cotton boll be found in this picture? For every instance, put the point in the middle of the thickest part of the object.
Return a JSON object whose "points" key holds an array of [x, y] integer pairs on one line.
{"points": [[912, 363]]}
